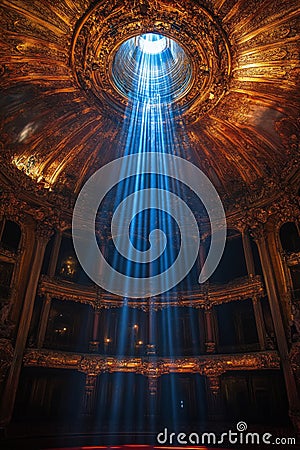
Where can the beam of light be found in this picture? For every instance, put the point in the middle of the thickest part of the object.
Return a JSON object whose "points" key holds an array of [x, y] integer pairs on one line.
{"points": [[149, 127], [151, 43]]}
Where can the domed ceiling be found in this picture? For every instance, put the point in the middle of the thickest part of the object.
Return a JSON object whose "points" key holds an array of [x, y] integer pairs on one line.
{"points": [[61, 114]]}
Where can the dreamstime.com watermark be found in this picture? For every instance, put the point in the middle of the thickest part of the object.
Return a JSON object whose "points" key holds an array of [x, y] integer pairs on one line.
{"points": [[109, 176], [240, 436]]}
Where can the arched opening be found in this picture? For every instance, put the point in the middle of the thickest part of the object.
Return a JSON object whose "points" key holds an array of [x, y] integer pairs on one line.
{"points": [[68, 267], [232, 264], [11, 236], [68, 326], [289, 237], [236, 327]]}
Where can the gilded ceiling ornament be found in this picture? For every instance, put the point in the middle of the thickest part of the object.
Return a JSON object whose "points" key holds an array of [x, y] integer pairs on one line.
{"points": [[100, 33], [56, 65]]}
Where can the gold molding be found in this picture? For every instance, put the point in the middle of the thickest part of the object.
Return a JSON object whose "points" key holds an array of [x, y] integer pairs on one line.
{"points": [[154, 367], [207, 295]]}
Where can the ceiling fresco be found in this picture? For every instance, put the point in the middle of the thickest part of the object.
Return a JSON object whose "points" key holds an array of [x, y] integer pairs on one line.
{"points": [[61, 116]]}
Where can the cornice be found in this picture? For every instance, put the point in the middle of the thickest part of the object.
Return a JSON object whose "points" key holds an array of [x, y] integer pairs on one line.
{"points": [[212, 365], [206, 297]]}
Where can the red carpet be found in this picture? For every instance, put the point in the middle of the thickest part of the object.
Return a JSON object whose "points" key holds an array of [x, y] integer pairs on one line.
{"points": [[133, 447]]}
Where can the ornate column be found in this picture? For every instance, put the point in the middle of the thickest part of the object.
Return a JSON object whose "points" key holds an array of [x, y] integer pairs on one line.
{"points": [[151, 347], [210, 335], [43, 234], [89, 396], [6, 356], [47, 299], [202, 256], [151, 409], [290, 382], [90, 366], [214, 400], [54, 254], [248, 253], [259, 320], [260, 324], [151, 370], [94, 343], [22, 271], [43, 321]]}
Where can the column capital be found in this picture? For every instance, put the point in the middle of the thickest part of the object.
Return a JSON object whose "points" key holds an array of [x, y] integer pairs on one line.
{"points": [[90, 366], [208, 307], [210, 337], [89, 398], [44, 231], [152, 385], [214, 383], [6, 356], [11, 207], [295, 418], [258, 231], [90, 379]]}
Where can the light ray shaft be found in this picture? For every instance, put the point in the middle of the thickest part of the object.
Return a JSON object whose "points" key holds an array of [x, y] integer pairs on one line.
{"points": [[149, 127]]}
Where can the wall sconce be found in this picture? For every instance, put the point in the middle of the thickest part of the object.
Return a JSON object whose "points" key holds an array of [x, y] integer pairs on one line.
{"points": [[69, 267]]}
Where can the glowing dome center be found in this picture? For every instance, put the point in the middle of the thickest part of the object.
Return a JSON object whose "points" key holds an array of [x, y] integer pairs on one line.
{"points": [[151, 66], [152, 44]]}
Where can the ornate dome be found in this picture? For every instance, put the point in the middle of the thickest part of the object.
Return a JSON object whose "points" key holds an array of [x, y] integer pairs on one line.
{"points": [[61, 110]]}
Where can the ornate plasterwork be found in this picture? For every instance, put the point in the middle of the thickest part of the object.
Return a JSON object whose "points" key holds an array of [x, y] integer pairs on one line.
{"points": [[292, 259], [209, 295], [58, 128], [8, 255], [284, 208], [6, 355], [107, 24], [153, 367], [294, 359], [14, 208]]}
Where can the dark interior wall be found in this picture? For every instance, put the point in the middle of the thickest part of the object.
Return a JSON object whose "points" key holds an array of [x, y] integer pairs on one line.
{"points": [[10, 237], [121, 331], [236, 327], [68, 326], [121, 402], [182, 400], [289, 237], [53, 394], [233, 263], [255, 396], [180, 331], [125, 331], [177, 331]]}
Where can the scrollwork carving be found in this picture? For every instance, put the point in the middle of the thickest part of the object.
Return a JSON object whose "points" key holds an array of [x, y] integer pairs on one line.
{"points": [[209, 366], [6, 355], [239, 289], [113, 22]]}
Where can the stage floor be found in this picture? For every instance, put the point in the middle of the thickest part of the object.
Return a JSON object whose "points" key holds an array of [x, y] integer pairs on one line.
{"points": [[136, 447]]}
